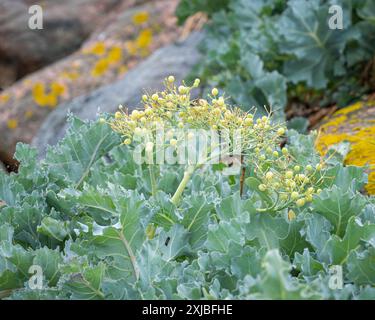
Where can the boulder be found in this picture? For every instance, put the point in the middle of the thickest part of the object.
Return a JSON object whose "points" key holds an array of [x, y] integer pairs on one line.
{"points": [[177, 59], [356, 125], [66, 24], [105, 57]]}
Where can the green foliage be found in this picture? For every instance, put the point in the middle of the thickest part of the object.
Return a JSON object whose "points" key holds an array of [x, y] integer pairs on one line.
{"points": [[264, 52], [86, 216]]}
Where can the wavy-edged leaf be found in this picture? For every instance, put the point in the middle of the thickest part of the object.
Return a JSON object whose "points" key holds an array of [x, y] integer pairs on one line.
{"points": [[338, 207], [123, 240]]}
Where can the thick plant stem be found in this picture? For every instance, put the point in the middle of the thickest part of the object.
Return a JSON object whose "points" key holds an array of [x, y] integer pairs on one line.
{"points": [[187, 175], [152, 179]]}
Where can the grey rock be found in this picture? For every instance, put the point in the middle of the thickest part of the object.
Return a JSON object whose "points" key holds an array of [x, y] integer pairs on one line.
{"points": [[177, 59], [66, 24]]}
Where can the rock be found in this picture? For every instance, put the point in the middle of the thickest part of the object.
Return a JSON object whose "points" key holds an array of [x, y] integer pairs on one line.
{"points": [[66, 24], [104, 58], [176, 59], [356, 125]]}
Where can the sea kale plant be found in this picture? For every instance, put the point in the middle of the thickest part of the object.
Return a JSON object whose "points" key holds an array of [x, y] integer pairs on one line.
{"points": [[107, 214], [214, 132]]}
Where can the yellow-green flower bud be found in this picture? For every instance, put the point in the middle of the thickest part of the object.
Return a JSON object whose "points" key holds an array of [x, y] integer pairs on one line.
{"points": [[215, 92], [301, 202], [289, 174], [294, 195], [262, 187], [171, 79], [281, 131]]}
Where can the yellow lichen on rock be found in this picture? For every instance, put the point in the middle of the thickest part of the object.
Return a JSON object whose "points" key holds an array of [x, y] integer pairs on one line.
{"points": [[97, 49], [47, 99], [144, 39], [140, 17], [354, 124], [4, 98], [12, 124]]}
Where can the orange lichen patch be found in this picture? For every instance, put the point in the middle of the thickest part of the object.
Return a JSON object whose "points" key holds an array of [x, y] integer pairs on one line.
{"points": [[12, 124], [140, 18], [356, 128]]}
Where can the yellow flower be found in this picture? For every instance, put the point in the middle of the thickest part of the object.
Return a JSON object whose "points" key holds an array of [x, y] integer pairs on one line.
{"points": [[140, 18]]}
